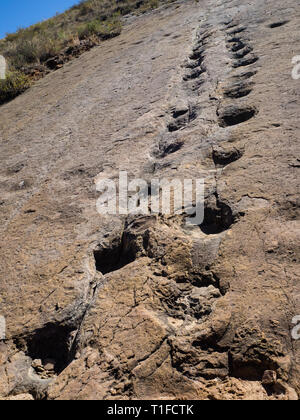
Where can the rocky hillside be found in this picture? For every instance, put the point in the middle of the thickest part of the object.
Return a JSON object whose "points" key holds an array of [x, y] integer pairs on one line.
{"points": [[142, 307], [33, 52]]}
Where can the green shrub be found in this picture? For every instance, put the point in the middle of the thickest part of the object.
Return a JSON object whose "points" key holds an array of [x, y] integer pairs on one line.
{"points": [[14, 84], [12, 37], [85, 8], [88, 29], [25, 52], [103, 30], [33, 51], [150, 4], [47, 48]]}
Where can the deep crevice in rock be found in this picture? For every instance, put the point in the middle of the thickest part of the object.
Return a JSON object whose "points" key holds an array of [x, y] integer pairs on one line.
{"points": [[171, 148], [246, 61], [278, 24], [179, 112], [194, 74], [238, 90], [52, 342], [196, 55], [237, 46], [246, 75], [115, 257], [242, 52], [251, 370], [217, 219], [235, 39], [225, 157], [182, 119], [237, 30]]}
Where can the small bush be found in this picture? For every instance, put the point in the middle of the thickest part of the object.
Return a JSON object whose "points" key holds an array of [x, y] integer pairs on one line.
{"points": [[12, 37], [14, 84], [151, 4], [85, 9], [88, 29], [103, 30], [25, 52], [33, 51], [47, 48]]}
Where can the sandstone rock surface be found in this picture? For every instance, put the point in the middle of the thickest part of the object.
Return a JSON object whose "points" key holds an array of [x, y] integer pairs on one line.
{"points": [[108, 307]]}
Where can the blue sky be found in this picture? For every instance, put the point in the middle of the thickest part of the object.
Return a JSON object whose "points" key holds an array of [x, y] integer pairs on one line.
{"points": [[22, 13]]}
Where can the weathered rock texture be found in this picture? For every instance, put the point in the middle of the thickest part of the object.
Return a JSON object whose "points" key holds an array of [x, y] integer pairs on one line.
{"points": [[107, 307]]}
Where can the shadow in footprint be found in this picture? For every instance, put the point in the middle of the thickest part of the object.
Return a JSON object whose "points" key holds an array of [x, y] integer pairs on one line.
{"points": [[234, 115]]}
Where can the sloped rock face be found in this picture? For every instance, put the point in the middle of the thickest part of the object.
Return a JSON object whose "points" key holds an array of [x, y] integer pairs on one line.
{"points": [[107, 307]]}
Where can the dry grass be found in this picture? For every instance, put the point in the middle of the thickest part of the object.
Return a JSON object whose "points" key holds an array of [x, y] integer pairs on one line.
{"points": [[14, 84]]}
